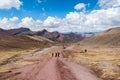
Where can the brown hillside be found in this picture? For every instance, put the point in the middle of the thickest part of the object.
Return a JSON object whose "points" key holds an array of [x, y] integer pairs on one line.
{"points": [[22, 42], [108, 37]]}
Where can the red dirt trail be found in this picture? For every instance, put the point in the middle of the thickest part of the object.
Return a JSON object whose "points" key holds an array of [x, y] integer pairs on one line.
{"points": [[53, 68]]}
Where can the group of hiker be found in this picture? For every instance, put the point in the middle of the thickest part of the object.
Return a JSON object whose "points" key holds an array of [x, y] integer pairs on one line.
{"points": [[57, 54]]}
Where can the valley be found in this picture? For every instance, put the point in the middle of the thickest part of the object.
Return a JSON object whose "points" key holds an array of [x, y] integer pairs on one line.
{"points": [[29, 57]]}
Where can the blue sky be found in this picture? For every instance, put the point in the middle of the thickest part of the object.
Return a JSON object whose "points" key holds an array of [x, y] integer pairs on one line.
{"points": [[60, 15], [45, 8]]}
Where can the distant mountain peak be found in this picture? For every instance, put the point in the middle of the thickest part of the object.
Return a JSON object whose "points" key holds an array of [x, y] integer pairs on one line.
{"points": [[1, 29], [14, 31], [54, 36], [44, 30]]}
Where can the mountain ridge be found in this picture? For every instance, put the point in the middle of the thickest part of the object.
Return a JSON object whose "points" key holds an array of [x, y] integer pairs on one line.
{"points": [[108, 37], [54, 36]]}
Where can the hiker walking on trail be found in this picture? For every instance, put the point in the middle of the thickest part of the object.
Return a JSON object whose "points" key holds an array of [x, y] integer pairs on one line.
{"points": [[58, 54], [52, 54], [55, 54]]}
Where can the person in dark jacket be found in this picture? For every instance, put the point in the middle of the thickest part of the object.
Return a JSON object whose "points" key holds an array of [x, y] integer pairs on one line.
{"points": [[52, 54], [58, 54]]}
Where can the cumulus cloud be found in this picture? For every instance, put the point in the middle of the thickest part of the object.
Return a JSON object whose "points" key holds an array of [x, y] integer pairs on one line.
{"points": [[80, 6], [96, 20], [75, 18], [15, 22], [77, 21], [8, 4], [109, 3], [8, 23], [103, 19], [52, 22], [14, 19], [29, 22]]}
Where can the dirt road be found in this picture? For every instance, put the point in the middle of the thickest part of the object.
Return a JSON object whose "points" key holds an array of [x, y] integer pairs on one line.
{"points": [[52, 68]]}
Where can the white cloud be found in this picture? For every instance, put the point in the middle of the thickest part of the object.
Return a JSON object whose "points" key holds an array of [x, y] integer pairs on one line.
{"points": [[103, 19], [109, 3], [75, 18], [29, 22], [15, 22], [7, 23], [52, 22], [8, 4], [14, 19], [80, 6], [96, 20]]}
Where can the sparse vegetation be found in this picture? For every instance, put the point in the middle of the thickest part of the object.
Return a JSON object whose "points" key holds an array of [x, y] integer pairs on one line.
{"points": [[102, 55], [22, 43], [109, 37], [105, 62]]}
